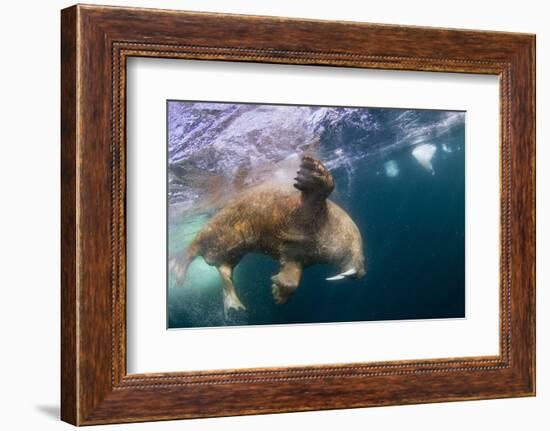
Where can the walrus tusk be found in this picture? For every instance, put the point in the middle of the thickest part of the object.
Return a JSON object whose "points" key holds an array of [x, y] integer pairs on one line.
{"points": [[342, 275]]}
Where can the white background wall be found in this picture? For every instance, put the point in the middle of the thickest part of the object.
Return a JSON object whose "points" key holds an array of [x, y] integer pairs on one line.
{"points": [[29, 215]]}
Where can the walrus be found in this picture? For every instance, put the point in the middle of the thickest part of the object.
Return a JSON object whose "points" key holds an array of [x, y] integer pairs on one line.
{"points": [[298, 227]]}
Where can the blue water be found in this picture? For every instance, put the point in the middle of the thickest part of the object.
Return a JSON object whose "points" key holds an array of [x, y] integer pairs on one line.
{"points": [[411, 217]]}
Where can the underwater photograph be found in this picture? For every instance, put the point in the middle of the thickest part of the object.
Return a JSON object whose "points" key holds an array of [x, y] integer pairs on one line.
{"points": [[300, 214]]}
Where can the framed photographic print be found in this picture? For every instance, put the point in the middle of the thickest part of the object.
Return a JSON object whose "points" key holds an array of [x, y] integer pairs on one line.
{"points": [[264, 214]]}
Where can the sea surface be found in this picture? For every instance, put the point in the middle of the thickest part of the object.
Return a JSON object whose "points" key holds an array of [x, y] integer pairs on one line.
{"points": [[399, 173]]}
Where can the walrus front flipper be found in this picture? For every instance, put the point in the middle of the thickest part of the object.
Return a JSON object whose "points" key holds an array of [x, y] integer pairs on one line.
{"points": [[313, 179], [286, 281]]}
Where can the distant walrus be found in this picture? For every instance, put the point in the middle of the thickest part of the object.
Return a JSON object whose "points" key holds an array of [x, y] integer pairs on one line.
{"points": [[298, 228]]}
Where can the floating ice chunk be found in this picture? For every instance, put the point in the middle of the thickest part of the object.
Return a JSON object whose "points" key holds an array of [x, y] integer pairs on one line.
{"points": [[391, 168], [446, 148], [423, 154]]}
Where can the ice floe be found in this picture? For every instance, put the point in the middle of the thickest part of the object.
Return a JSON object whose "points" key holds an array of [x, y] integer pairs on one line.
{"points": [[391, 168], [424, 154]]}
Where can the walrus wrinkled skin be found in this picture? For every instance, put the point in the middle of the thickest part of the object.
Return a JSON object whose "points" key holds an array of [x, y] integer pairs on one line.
{"points": [[298, 227]]}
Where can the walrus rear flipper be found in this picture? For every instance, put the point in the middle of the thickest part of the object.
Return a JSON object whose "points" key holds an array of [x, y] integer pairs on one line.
{"points": [[179, 264], [313, 179]]}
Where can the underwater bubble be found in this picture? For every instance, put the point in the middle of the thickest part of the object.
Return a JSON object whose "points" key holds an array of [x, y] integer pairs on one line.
{"points": [[446, 148], [424, 154], [391, 168]]}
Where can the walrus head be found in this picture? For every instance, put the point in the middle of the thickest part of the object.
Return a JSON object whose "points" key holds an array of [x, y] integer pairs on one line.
{"points": [[338, 236], [347, 253]]}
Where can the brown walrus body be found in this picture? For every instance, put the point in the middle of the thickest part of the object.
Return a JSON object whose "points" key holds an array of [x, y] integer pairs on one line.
{"points": [[299, 228]]}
